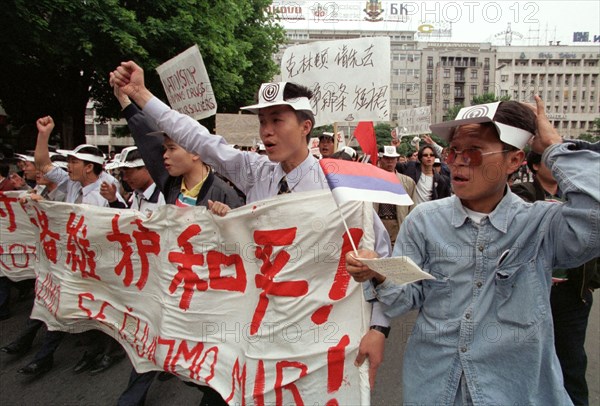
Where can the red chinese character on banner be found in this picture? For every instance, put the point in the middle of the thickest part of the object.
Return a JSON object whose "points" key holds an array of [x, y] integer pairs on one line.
{"points": [[79, 256], [47, 237], [146, 241], [187, 259], [266, 240], [215, 260], [8, 211]]}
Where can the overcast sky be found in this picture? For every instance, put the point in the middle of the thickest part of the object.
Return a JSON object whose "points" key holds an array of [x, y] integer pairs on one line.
{"points": [[474, 21]]}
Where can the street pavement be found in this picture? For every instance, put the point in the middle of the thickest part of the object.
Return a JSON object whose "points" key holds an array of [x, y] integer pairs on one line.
{"points": [[62, 387]]}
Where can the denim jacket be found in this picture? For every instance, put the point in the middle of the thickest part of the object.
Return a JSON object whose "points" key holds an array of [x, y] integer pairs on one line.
{"points": [[487, 314]]}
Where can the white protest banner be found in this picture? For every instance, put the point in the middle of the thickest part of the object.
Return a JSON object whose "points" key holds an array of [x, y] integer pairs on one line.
{"points": [[187, 84], [18, 248], [350, 78], [257, 304], [415, 121]]}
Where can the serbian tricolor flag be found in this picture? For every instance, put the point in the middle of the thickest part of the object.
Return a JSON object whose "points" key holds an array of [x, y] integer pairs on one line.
{"points": [[357, 181]]}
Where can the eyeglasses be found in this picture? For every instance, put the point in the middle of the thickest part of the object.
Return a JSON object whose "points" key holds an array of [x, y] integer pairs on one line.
{"points": [[427, 155], [470, 156]]}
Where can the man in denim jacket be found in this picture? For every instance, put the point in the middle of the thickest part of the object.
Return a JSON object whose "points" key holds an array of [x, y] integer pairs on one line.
{"points": [[484, 333]]}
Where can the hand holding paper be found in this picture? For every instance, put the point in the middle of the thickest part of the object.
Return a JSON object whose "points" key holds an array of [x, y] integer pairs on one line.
{"points": [[399, 270]]}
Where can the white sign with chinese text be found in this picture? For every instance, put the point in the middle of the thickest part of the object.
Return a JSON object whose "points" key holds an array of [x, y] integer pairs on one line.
{"points": [[350, 78]]}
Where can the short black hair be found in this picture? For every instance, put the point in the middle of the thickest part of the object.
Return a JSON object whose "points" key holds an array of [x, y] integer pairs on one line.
{"points": [[341, 155], [98, 168], [4, 169], [133, 155], [517, 115], [533, 158], [423, 148], [294, 91]]}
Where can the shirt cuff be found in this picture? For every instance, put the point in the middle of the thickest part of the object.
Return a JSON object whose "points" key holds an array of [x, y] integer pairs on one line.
{"points": [[378, 317]]}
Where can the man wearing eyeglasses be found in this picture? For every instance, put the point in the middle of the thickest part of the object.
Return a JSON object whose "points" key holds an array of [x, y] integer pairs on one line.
{"points": [[484, 332]]}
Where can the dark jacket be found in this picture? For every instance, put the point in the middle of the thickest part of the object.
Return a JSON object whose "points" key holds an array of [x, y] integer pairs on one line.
{"points": [[151, 149], [586, 276], [441, 183]]}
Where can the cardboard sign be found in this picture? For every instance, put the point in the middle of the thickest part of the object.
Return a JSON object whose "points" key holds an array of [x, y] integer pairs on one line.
{"points": [[187, 84]]}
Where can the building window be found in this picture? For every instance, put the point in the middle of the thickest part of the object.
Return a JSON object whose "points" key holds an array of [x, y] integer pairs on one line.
{"points": [[446, 73], [503, 93], [504, 78], [473, 89], [102, 129], [486, 63], [473, 74], [446, 104]]}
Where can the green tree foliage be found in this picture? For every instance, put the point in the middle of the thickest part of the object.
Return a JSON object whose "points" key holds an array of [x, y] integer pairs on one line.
{"points": [[589, 137], [488, 98], [56, 54], [452, 112], [383, 135]]}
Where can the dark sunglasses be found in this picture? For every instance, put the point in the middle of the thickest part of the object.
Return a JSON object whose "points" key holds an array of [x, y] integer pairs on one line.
{"points": [[470, 156]]}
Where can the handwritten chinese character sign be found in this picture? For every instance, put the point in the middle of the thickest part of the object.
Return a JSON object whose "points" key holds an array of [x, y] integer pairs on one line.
{"points": [[350, 79]]}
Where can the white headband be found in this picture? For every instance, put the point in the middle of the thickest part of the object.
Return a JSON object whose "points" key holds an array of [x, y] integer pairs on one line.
{"points": [[483, 113], [86, 156], [271, 94]]}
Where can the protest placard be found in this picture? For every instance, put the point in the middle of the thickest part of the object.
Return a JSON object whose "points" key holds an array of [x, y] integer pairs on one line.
{"points": [[350, 78], [415, 121], [187, 84]]}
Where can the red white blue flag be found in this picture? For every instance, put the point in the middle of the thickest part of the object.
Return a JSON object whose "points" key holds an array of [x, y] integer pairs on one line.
{"points": [[357, 181]]}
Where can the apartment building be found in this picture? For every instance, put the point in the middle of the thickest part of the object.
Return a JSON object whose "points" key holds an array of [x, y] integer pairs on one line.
{"points": [[445, 74], [455, 73], [108, 136], [566, 77]]}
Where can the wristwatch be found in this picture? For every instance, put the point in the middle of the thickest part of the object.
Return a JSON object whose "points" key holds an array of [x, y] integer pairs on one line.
{"points": [[381, 329]]}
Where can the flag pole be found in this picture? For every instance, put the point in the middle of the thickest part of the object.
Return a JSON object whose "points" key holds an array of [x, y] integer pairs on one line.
{"points": [[335, 138], [348, 231]]}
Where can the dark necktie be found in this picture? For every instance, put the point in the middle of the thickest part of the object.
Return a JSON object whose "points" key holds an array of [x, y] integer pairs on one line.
{"points": [[79, 197], [283, 187]]}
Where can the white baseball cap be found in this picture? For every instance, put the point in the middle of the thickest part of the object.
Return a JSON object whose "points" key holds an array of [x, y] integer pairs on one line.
{"points": [[483, 113], [390, 151], [271, 94]]}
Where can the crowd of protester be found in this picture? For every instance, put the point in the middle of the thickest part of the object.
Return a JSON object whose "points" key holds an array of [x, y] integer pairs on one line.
{"points": [[170, 167]]}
